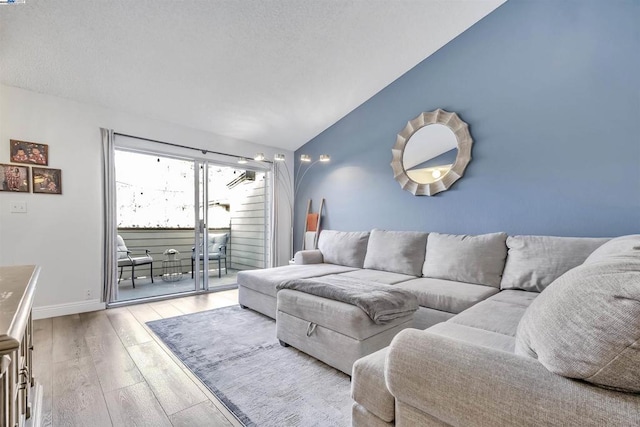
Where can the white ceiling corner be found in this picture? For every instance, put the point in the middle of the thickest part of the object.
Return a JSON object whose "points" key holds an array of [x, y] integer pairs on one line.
{"points": [[271, 72]]}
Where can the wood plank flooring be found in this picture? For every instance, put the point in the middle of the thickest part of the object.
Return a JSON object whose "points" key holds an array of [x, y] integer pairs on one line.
{"points": [[106, 368]]}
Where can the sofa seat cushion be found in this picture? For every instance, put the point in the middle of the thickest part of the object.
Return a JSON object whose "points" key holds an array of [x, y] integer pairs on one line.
{"points": [[597, 306], [346, 248], [378, 276], [463, 258], [533, 262], [396, 251], [265, 281], [516, 297], [447, 295], [475, 336], [497, 314], [368, 386]]}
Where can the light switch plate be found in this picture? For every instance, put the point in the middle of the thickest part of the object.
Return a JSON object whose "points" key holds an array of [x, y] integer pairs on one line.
{"points": [[18, 207]]}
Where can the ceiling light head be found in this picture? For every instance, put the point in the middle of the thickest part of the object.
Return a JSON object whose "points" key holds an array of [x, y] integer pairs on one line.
{"points": [[305, 158], [259, 157], [278, 157], [242, 161], [436, 174], [325, 158]]}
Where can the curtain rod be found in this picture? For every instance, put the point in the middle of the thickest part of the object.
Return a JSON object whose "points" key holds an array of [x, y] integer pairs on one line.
{"points": [[203, 151]]}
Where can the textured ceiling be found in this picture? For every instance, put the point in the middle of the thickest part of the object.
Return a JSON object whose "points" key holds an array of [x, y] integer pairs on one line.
{"points": [[271, 72]]}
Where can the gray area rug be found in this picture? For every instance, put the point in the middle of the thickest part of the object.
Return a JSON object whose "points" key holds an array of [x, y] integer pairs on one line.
{"points": [[236, 354]]}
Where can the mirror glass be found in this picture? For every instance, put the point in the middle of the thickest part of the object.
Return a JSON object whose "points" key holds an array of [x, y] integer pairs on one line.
{"points": [[430, 153]]}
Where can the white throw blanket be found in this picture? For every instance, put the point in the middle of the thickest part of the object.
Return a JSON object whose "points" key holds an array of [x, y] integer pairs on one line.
{"points": [[382, 303]]}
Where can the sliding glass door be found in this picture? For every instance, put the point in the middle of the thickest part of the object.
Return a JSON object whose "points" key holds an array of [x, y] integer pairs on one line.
{"points": [[155, 208], [187, 225], [233, 217]]}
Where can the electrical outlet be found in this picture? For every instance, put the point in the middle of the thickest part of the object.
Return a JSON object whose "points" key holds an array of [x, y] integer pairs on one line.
{"points": [[88, 294], [18, 207]]}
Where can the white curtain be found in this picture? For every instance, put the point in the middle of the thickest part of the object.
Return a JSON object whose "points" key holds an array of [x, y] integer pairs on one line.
{"points": [[275, 200], [109, 220]]}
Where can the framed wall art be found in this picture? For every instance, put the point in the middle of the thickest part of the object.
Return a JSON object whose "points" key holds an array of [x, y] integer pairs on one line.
{"points": [[14, 178], [29, 152], [45, 180]]}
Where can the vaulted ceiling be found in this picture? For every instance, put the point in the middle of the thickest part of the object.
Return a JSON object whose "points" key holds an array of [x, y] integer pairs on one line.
{"points": [[273, 72]]}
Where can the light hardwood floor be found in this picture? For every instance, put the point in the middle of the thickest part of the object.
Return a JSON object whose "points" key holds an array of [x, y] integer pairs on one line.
{"points": [[107, 368]]}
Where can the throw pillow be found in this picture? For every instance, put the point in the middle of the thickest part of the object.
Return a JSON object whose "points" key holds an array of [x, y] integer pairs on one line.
{"points": [[470, 259], [586, 325], [616, 247]]}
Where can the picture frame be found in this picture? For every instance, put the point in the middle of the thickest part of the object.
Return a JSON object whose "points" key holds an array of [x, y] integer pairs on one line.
{"points": [[14, 178], [46, 180], [30, 153]]}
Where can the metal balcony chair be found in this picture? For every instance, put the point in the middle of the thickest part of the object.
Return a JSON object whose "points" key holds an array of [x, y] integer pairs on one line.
{"points": [[217, 244], [126, 260]]}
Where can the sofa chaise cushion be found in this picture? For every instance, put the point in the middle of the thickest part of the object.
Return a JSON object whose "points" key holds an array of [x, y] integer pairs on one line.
{"points": [[378, 276], [446, 295], [346, 248], [586, 325], [265, 281], [400, 252], [462, 258], [533, 262]]}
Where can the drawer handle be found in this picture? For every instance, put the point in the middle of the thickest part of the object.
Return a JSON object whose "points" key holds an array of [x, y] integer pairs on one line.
{"points": [[311, 328]]}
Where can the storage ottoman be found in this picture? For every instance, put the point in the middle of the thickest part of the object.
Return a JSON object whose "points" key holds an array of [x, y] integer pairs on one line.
{"points": [[333, 332]]}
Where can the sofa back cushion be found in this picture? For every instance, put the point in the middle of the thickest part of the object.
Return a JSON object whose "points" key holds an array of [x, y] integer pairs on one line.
{"points": [[533, 262], [585, 325], [396, 251], [470, 259], [346, 248]]}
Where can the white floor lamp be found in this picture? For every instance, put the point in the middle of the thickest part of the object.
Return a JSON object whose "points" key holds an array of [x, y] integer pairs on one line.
{"points": [[290, 188]]}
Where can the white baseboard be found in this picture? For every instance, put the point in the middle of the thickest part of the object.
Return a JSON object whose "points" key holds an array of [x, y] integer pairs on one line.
{"points": [[69, 308]]}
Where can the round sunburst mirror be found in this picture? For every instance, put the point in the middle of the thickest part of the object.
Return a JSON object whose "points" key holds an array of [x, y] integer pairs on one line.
{"points": [[431, 152]]}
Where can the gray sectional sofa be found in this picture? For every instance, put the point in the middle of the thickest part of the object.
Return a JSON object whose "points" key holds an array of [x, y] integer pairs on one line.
{"points": [[511, 330], [394, 258]]}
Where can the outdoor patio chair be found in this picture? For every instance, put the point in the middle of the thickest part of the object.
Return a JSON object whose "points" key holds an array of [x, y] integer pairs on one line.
{"points": [[126, 260], [217, 244]]}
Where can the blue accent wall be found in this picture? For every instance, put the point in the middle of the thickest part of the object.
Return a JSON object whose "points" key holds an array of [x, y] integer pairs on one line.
{"points": [[551, 93]]}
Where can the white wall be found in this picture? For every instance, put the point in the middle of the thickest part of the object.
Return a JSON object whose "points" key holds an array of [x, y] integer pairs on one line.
{"points": [[63, 234]]}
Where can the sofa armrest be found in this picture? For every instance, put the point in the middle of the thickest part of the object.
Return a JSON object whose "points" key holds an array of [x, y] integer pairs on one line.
{"points": [[308, 257], [463, 384]]}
